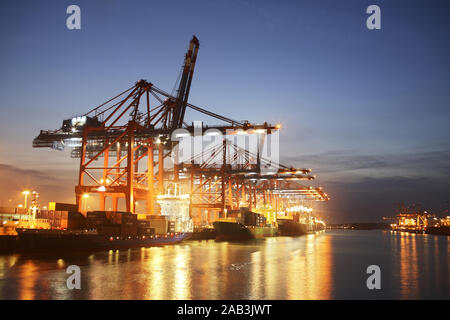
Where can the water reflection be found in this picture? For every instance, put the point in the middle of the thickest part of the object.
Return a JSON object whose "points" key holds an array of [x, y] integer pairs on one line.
{"points": [[408, 265], [317, 266], [28, 280], [422, 264]]}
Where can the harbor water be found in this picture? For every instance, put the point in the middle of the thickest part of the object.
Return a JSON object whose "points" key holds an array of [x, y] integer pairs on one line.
{"points": [[325, 265]]}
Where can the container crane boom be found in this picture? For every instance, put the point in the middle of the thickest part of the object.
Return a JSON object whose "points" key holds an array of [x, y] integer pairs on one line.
{"points": [[185, 84]]}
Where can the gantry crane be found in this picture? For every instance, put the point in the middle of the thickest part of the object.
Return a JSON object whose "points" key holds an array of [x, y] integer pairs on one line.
{"points": [[126, 131], [225, 177]]}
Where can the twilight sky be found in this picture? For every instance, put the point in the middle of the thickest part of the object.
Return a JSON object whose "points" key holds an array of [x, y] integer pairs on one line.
{"points": [[368, 110]]}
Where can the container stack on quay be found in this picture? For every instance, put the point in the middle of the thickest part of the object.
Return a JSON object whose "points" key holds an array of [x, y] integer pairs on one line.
{"points": [[104, 222], [128, 224]]}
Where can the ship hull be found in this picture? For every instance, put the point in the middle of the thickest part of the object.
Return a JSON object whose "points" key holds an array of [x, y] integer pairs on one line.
{"points": [[203, 234], [29, 241], [233, 231], [291, 228], [444, 230]]}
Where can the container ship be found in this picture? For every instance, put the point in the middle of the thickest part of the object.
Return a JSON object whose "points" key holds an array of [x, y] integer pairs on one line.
{"points": [[204, 233], [297, 224], [38, 240], [50, 230], [291, 226], [98, 230], [243, 225]]}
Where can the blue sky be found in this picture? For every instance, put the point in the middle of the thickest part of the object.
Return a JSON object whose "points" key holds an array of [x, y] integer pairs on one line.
{"points": [[368, 110]]}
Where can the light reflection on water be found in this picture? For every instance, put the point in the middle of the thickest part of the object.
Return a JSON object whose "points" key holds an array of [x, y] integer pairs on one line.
{"points": [[423, 264], [330, 265]]}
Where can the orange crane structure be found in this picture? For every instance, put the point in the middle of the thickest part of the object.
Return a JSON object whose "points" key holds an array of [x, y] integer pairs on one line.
{"points": [[124, 145], [229, 177]]}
